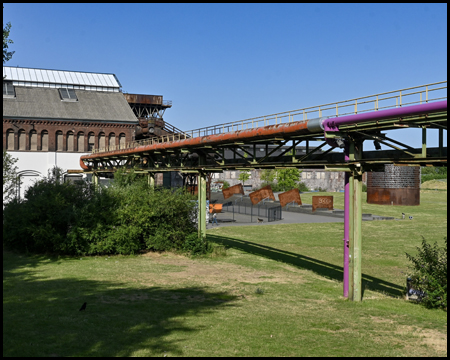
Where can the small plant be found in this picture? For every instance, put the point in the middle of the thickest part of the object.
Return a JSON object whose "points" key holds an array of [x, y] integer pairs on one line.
{"points": [[259, 291], [226, 184], [429, 274], [364, 188]]}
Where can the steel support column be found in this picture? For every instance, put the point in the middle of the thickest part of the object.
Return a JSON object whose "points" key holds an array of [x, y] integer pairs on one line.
{"points": [[151, 180], [355, 223], [95, 180], [201, 205]]}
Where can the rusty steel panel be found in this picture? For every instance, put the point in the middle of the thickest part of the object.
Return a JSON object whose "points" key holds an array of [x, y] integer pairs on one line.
{"points": [[236, 189], [290, 196], [217, 208], [322, 202], [261, 194], [144, 99], [382, 196]]}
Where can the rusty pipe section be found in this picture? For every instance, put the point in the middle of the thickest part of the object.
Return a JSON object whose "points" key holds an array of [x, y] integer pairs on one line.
{"points": [[265, 132]]}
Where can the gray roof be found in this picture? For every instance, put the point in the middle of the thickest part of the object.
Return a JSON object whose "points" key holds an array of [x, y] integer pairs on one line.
{"points": [[36, 102], [58, 78]]}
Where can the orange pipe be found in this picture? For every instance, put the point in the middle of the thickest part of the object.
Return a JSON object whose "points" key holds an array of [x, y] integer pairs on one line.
{"points": [[236, 136]]}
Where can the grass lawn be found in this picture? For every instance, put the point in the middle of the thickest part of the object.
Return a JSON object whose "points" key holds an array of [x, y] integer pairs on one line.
{"points": [[276, 292]]}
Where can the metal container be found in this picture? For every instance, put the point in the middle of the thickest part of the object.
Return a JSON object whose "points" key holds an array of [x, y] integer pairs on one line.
{"points": [[144, 99], [397, 185]]}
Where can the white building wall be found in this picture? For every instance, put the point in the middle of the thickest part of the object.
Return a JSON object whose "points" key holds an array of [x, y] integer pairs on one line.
{"points": [[41, 162]]}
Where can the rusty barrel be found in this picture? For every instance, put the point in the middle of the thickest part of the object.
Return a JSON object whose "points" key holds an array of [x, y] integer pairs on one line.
{"points": [[397, 185]]}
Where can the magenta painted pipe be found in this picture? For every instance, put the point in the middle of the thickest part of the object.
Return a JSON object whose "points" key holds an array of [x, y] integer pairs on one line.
{"points": [[332, 124]]}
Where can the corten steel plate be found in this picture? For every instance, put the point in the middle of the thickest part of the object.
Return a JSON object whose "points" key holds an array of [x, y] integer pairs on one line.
{"points": [[322, 202], [236, 189], [217, 208], [290, 196], [405, 196], [261, 194]]}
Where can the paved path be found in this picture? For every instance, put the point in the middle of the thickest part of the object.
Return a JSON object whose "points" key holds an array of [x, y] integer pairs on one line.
{"points": [[288, 218]]}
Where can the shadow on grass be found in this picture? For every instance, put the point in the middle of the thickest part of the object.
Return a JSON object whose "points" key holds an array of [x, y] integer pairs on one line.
{"points": [[41, 315], [305, 262]]}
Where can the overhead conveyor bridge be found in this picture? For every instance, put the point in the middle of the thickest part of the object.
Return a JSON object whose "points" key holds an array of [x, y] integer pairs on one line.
{"points": [[343, 125]]}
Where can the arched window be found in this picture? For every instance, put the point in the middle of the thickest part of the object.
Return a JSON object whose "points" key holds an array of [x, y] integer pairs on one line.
{"points": [[10, 140], [122, 140], [80, 141], [101, 141], [44, 140], [91, 141], [33, 140], [59, 141], [69, 141], [112, 141], [22, 140]]}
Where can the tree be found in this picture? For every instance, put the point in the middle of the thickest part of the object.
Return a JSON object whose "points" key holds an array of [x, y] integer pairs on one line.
{"points": [[10, 178], [7, 55], [287, 178], [244, 176], [268, 176]]}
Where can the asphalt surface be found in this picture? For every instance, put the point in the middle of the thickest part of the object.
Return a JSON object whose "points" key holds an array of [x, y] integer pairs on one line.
{"points": [[226, 219]]}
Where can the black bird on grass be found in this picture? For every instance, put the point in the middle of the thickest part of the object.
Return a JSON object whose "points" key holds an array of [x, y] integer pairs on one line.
{"points": [[83, 307]]}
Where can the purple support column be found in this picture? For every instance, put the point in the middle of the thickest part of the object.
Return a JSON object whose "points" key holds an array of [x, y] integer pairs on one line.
{"points": [[346, 223]]}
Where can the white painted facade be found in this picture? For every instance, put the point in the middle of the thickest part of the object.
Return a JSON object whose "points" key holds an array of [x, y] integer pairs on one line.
{"points": [[34, 165]]}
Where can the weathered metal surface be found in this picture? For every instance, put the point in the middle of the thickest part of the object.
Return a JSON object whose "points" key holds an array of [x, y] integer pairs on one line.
{"points": [[322, 202], [236, 189], [261, 194], [397, 185], [405, 196], [217, 208], [144, 99], [290, 196]]}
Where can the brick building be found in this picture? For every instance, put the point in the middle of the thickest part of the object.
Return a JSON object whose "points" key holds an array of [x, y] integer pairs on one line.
{"points": [[52, 117]]}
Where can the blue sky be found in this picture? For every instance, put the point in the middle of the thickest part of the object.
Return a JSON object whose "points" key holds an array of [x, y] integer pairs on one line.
{"points": [[226, 62]]}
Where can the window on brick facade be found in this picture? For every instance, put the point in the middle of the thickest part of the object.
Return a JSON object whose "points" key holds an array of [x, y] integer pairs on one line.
{"points": [[44, 140], [22, 139], [112, 141], [10, 140], [33, 140], [122, 140], [59, 141], [70, 141], [91, 141], [101, 141], [67, 94], [80, 141]]}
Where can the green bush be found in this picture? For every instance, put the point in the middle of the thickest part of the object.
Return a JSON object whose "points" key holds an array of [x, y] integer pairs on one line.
{"points": [[125, 218], [433, 173], [429, 274], [226, 184]]}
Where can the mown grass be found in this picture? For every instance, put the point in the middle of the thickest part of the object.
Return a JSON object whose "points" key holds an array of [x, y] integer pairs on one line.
{"points": [[276, 292]]}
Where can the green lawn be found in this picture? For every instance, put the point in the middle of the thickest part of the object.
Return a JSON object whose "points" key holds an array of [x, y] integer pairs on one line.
{"points": [[277, 292]]}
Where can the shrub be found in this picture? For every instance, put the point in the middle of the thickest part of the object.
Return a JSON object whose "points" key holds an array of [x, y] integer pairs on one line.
{"points": [[433, 173], [226, 184], [429, 274], [125, 218]]}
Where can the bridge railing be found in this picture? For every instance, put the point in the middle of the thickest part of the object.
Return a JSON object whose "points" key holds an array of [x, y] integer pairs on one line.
{"points": [[397, 98]]}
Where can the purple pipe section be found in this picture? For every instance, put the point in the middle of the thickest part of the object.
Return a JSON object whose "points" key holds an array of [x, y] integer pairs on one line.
{"points": [[332, 124]]}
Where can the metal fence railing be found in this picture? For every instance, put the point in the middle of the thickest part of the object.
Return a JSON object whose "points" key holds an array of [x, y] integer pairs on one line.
{"points": [[267, 213], [392, 99]]}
